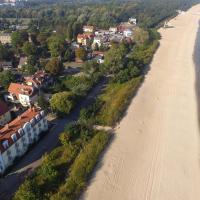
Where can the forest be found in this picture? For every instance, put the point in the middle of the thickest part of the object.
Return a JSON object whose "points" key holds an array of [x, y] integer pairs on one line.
{"points": [[68, 18]]}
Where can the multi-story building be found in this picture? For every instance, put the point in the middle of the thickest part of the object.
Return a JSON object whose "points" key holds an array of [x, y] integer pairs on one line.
{"points": [[16, 136], [5, 115], [5, 38], [88, 29], [21, 93]]}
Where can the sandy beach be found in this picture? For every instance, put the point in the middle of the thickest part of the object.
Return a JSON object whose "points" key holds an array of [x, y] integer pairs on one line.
{"points": [[156, 151]]}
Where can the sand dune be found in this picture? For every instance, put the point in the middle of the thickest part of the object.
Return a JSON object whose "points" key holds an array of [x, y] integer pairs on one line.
{"points": [[155, 155]]}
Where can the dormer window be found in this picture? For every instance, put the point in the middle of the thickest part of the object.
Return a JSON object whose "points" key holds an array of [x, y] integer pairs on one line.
{"points": [[32, 121], [21, 132], [5, 144], [14, 137], [38, 117], [42, 113]]}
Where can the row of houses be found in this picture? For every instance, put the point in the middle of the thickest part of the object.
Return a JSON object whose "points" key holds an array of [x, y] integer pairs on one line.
{"points": [[17, 135]]}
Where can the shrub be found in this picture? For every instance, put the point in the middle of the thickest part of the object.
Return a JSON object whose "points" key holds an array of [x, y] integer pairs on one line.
{"points": [[82, 168], [115, 100], [62, 102]]}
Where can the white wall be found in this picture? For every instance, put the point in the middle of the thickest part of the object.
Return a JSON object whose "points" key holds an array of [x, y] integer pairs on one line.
{"points": [[31, 135]]}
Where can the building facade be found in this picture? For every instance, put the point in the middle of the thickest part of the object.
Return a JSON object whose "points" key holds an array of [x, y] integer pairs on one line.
{"points": [[88, 29], [5, 38], [19, 134]]}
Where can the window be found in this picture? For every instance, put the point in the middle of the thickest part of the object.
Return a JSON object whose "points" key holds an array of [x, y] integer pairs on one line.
{"points": [[5, 144], [9, 158], [21, 131], [8, 152], [16, 145], [14, 137], [33, 122]]}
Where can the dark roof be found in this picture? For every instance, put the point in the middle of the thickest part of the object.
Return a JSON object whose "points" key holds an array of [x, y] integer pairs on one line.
{"points": [[3, 108]]}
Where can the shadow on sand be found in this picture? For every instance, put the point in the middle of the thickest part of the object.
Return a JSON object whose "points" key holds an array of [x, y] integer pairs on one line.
{"points": [[196, 59]]}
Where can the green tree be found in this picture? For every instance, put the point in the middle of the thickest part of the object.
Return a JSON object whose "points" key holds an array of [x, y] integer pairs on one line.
{"points": [[62, 102], [32, 60], [54, 66], [115, 59], [5, 53], [18, 38], [81, 53], [140, 36], [29, 69], [56, 45], [6, 77], [42, 102], [28, 191], [69, 55], [90, 67], [29, 49]]}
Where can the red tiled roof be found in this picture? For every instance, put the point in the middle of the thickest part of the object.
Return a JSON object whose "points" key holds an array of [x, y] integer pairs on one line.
{"points": [[15, 125], [3, 108], [85, 36], [36, 78], [101, 53], [17, 88]]}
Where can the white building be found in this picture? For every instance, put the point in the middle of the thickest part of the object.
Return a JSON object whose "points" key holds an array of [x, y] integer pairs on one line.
{"points": [[132, 21], [98, 41], [127, 33], [88, 29], [113, 29], [20, 93], [5, 38], [16, 136]]}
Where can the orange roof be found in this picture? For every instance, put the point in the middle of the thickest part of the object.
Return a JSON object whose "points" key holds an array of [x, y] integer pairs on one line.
{"points": [[36, 78], [17, 88], [3, 108], [15, 125], [82, 36]]}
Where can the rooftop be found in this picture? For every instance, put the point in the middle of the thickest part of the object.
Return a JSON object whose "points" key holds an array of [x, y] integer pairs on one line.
{"points": [[17, 88], [15, 125], [3, 108]]}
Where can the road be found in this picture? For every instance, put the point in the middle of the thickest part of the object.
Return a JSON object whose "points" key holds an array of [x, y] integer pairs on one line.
{"points": [[32, 159]]}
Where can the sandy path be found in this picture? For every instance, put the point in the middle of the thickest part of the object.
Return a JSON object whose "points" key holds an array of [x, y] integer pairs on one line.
{"points": [[155, 155]]}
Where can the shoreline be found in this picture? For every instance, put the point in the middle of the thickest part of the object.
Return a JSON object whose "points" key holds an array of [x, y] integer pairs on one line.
{"points": [[109, 181]]}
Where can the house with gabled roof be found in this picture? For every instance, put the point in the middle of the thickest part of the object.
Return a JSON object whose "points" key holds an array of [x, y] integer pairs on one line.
{"points": [[21, 93]]}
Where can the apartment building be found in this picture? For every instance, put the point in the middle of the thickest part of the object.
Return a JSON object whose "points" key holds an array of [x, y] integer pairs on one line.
{"points": [[19, 134]]}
